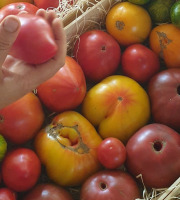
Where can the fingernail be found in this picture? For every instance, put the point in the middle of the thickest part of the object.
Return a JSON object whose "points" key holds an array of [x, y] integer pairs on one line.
{"points": [[10, 25]]}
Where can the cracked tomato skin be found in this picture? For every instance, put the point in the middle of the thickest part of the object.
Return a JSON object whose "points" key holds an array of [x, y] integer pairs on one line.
{"points": [[118, 106], [67, 147], [164, 41]]}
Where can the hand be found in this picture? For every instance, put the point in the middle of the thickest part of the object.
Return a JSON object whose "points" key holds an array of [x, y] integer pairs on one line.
{"points": [[17, 78]]}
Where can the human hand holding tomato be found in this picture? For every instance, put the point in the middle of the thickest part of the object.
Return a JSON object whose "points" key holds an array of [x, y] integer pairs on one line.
{"points": [[18, 77]]}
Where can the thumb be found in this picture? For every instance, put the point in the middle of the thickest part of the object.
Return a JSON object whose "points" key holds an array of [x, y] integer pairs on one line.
{"points": [[9, 29]]}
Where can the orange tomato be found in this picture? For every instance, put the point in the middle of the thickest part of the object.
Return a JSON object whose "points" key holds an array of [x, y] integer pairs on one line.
{"points": [[128, 23], [6, 2], [68, 148], [118, 106], [164, 40]]}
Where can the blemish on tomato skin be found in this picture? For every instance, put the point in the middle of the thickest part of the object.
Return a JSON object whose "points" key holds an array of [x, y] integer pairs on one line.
{"points": [[120, 25], [1, 119]]}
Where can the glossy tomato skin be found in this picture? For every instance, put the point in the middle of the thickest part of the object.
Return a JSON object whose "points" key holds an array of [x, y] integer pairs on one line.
{"points": [[6, 2], [36, 46], [21, 169], [110, 184], [67, 147], [66, 89], [7, 194], [48, 192], [98, 53], [164, 93], [111, 153], [157, 148], [21, 120], [140, 63], [118, 106], [15, 8]]}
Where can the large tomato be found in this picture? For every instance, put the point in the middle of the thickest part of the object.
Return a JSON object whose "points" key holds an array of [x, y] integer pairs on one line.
{"points": [[21, 169], [153, 152], [110, 184], [66, 89], [68, 148], [164, 40], [50, 4], [15, 8], [140, 63], [118, 106], [6, 2], [35, 46], [20, 121], [164, 93], [98, 53], [48, 191], [128, 23]]}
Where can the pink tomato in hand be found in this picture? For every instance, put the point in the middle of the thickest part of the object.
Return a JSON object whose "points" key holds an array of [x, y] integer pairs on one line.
{"points": [[140, 63], [21, 169], [98, 53], [111, 153], [35, 43]]}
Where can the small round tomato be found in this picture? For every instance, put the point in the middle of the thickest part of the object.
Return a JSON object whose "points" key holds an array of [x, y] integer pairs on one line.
{"points": [[36, 46], [111, 153], [15, 8], [21, 169], [128, 23], [98, 53], [66, 89], [20, 121], [7, 194], [140, 63]]}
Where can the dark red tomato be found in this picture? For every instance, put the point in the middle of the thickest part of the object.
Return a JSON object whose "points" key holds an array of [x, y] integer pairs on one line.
{"points": [[66, 89], [111, 153], [21, 169], [48, 192], [140, 63], [110, 184], [98, 53], [7, 194], [15, 8], [35, 43], [20, 121], [46, 4]]}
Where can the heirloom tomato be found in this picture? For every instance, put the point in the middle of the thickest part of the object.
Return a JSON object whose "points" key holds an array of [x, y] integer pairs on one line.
{"points": [[21, 169], [68, 148], [98, 53], [15, 8], [110, 185], [66, 89], [6, 2], [118, 106], [140, 63], [164, 41], [20, 121], [48, 191], [153, 152], [36, 46], [128, 23]]}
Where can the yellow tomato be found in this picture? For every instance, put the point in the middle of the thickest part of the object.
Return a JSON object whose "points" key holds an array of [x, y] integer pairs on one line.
{"points": [[67, 148], [128, 23], [6, 2], [118, 106]]}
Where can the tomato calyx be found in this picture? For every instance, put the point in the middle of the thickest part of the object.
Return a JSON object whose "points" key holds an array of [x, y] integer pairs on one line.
{"points": [[158, 146], [120, 25], [68, 137]]}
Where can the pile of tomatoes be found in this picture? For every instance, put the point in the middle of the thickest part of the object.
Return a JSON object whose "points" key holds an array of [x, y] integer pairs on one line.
{"points": [[106, 122]]}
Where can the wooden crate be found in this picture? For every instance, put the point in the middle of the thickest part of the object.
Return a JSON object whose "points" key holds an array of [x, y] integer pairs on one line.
{"points": [[92, 16]]}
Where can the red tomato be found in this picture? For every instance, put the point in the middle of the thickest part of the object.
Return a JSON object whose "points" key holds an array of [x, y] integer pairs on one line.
{"points": [[153, 151], [7, 194], [20, 121], [98, 53], [48, 192], [15, 8], [111, 153], [66, 89], [21, 169], [110, 184], [140, 63], [36, 46]]}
